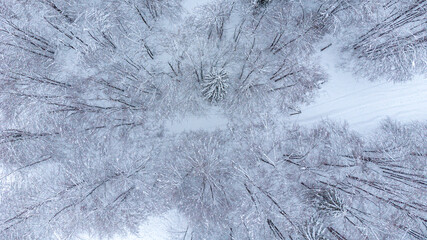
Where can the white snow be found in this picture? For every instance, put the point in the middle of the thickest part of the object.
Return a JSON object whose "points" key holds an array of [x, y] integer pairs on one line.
{"points": [[190, 5], [361, 103], [213, 119], [170, 225]]}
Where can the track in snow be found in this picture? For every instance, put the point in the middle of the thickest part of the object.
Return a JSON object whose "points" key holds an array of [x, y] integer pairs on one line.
{"points": [[361, 103]]}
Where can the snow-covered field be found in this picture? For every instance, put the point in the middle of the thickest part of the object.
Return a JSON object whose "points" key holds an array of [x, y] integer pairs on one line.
{"points": [[361, 103], [210, 121], [190, 5], [171, 225]]}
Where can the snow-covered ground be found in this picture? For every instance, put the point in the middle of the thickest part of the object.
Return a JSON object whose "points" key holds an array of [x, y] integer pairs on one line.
{"points": [[361, 103], [210, 121], [170, 225], [190, 5]]}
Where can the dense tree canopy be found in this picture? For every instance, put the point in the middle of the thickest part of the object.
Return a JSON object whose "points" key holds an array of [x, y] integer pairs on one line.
{"points": [[87, 85]]}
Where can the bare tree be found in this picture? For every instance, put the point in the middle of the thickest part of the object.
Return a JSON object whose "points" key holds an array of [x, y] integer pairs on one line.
{"points": [[74, 94], [393, 46]]}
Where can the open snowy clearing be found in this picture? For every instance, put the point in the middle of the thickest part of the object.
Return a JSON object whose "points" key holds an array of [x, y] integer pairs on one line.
{"points": [[170, 225], [361, 103]]}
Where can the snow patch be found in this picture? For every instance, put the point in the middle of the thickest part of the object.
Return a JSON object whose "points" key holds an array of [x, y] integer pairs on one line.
{"points": [[362, 103], [190, 5], [168, 226], [171, 225], [212, 120]]}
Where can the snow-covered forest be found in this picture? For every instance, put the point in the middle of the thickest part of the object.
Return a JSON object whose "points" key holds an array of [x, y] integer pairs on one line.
{"points": [[213, 113]]}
